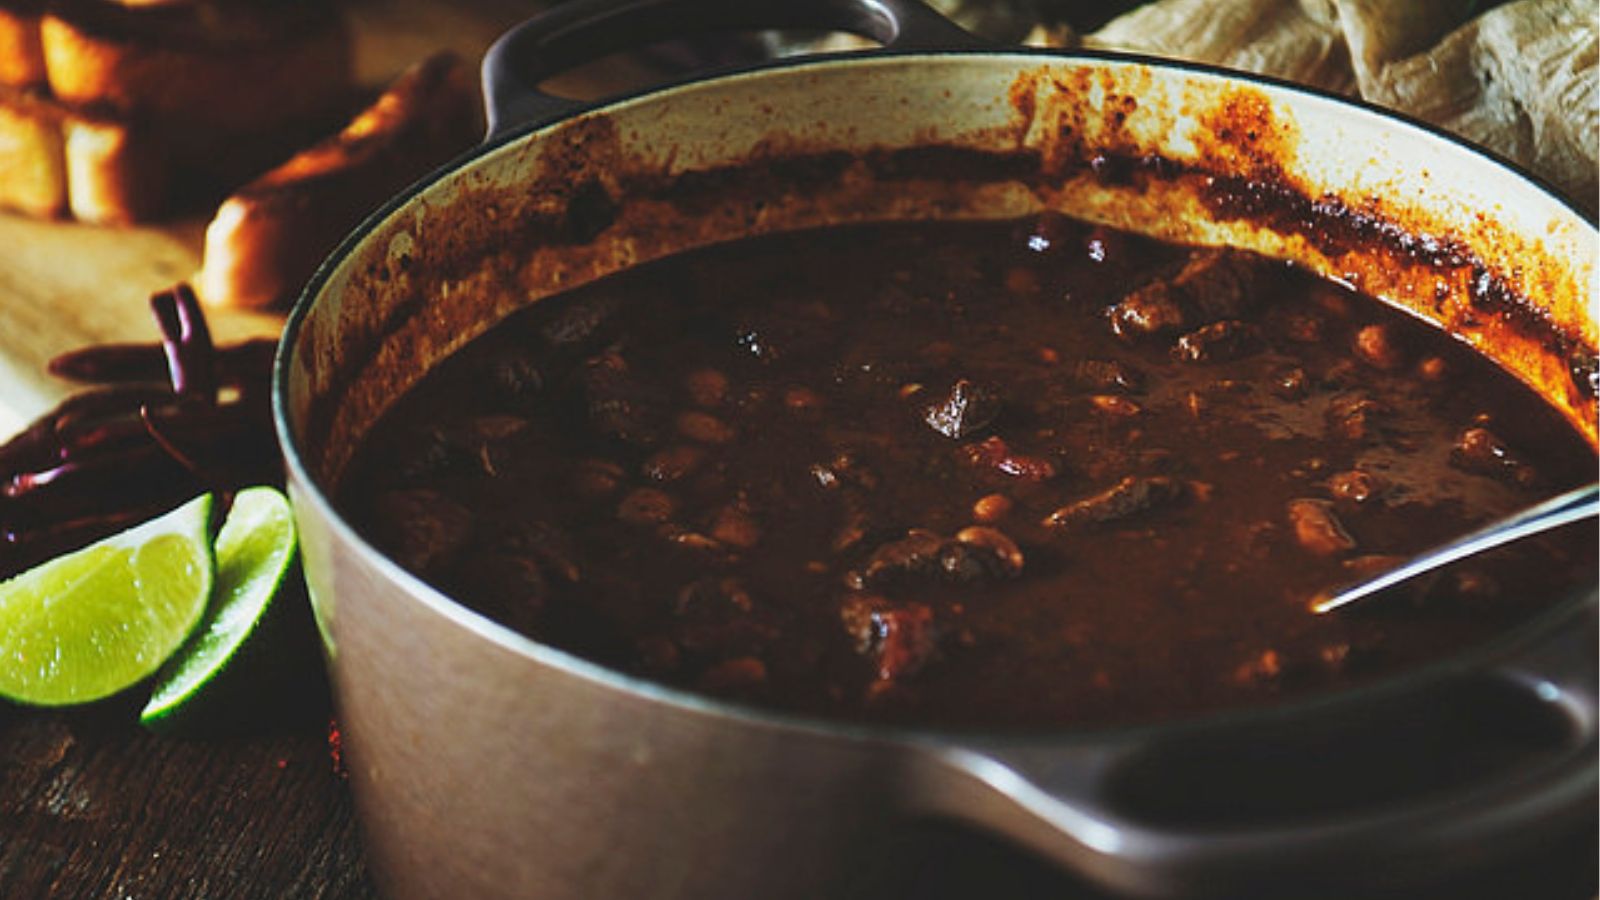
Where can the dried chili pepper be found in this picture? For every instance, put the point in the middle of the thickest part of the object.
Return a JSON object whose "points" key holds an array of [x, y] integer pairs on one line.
{"points": [[159, 423]]}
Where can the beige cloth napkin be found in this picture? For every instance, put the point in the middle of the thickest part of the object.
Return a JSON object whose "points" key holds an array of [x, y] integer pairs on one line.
{"points": [[1520, 79]]}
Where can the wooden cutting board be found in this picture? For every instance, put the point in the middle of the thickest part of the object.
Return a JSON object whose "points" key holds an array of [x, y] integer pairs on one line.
{"points": [[65, 285]]}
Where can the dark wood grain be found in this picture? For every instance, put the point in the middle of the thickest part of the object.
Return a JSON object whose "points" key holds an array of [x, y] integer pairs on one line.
{"points": [[92, 806]]}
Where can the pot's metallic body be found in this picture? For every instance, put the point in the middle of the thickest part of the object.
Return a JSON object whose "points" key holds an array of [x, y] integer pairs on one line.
{"points": [[486, 765]]}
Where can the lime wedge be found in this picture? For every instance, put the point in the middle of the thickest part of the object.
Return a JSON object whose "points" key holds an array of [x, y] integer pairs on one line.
{"points": [[89, 624], [255, 550]]}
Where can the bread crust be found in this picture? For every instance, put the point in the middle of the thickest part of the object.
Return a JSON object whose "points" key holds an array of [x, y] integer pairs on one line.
{"points": [[111, 107], [32, 167], [240, 68], [268, 237], [21, 54], [116, 171]]}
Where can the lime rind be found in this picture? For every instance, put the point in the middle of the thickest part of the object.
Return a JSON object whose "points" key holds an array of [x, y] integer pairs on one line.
{"points": [[254, 553], [94, 622]]}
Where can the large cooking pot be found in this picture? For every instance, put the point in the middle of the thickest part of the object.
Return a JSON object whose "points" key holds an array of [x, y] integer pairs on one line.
{"points": [[485, 764]]}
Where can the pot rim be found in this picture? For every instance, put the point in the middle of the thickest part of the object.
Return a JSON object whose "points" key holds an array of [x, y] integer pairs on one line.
{"points": [[1477, 658]]}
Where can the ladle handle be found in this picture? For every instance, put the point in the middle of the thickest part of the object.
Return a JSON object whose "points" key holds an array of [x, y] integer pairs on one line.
{"points": [[581, 31], [1573, 506], [1154, 812]]}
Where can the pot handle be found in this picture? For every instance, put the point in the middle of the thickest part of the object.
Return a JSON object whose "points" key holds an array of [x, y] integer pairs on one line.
{"points": [[583, 30], [1216, 810]]}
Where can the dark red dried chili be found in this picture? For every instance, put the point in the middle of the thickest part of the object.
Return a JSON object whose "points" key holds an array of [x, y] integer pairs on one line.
{"points": [[160, 423]]}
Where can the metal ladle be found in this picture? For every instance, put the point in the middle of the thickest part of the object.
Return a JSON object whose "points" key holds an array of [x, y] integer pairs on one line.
{"points": [[1582, 503]]}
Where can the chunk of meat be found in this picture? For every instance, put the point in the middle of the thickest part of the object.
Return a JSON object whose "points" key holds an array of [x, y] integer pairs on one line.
{"points": [[512, 586], [1213, 285], [964, 562], [995, 454], [620, 406], [583, 323], [1107, 375], [1152, 309], [978, 553], [1003, 551], [964, 410], [899, 638], [1129, 497], [1221, 284], [514, 374], [1318, 529], [1290, 383], [1481, 452], [1355, 417], [1378, 347], [423, 529], [546, 543], [1218, 342], [915, 554]]}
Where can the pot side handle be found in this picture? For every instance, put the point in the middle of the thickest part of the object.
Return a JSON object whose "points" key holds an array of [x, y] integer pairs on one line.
{"points": [[584, 30], [1331, 796]]}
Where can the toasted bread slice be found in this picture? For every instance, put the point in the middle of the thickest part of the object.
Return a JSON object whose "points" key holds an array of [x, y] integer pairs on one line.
{"points": [[117, 171], [55, 159], [33, 177], [268, 237], [21, 54], [119, 110], [234, 68]]}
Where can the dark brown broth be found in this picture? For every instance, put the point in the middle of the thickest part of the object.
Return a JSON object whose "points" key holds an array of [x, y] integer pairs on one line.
{"points": [[505, 478]]}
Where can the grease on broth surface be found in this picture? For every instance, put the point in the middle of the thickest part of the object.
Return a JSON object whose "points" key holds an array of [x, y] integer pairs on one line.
{"points": [[1024, 473]]}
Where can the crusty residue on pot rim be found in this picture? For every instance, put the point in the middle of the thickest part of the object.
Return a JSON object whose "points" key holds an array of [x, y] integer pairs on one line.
{"points": [[440, 273]]}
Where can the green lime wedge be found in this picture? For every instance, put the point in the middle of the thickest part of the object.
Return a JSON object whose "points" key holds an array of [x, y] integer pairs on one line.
{"points": [[255, 550], [89, 624]]}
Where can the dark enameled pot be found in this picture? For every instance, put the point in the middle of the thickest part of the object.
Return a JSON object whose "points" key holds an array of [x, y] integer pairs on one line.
{"points": [[487, 765]]}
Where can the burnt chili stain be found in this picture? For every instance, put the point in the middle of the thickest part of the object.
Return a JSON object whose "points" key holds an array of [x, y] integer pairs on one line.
{"points": [[1337, 229], [587, 203], [590, 211]]}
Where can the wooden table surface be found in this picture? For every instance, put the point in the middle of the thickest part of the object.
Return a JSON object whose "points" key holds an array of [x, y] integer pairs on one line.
{"points": [[92, 806]]}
